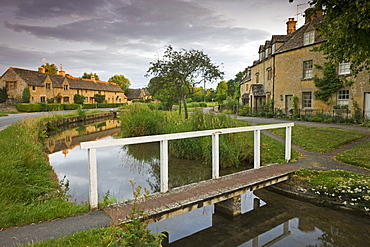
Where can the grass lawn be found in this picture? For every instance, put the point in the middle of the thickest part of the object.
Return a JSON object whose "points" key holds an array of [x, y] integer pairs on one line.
{"points": [[358, 156], [320, 139], [29, 189]]}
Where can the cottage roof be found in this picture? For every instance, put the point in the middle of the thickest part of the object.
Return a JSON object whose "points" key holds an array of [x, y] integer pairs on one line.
{"points": [[133, 94], [36, 78], [295, 39]]}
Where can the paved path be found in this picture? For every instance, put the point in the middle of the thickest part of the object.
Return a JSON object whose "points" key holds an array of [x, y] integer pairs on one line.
{"points": [[97, 219]]}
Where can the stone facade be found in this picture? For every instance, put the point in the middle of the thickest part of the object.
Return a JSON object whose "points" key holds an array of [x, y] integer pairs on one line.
{"points": [[286, 68], [61, 87]]}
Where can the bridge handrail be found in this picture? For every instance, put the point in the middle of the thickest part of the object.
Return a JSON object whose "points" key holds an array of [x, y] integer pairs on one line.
{"points": [[163, 139]]}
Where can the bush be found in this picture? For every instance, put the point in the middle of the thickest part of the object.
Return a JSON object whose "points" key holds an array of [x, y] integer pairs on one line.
{"points": [[244, 110], [70, 106], [316, 119], [28, 107], [78, 99]]}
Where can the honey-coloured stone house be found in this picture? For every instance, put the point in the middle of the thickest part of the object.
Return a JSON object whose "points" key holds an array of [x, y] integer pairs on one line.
{"points": [[285, 71], [62, 87]]}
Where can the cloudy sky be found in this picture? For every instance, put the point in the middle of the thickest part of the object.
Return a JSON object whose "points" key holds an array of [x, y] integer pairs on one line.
{"points": [[111, 37]]}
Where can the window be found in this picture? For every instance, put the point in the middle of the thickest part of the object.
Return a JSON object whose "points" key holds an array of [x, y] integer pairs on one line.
{"points": [[269, 74], [266, 52], [65, 87], [11, 84], [47, 85], [344, 68], [343, 96], [65, 99], [307, 69], [257, 77], [273, 48], [33, 88], [309, 38], [42, 99], [260, 54], [307, 99]]}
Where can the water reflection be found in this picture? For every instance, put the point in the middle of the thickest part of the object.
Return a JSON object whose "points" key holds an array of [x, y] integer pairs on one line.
{"points": [[117, 164], [280, 222]]}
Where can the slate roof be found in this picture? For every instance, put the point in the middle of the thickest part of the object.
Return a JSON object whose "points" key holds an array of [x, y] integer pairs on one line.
{"points": [[295, 40], [36, 78], [136, 93]]}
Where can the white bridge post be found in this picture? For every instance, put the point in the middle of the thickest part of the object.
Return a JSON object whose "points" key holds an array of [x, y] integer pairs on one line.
{"points": [[215, 156], [93, 174], [257, 150], [164, 165], [288, 143]]}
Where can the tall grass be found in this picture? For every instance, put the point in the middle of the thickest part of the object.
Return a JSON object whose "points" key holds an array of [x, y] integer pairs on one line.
{"points": [[29, 189], [234, 148]]}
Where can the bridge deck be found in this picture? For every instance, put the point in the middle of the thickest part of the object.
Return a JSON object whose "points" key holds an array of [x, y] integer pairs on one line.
{"points": [[190, 197]]}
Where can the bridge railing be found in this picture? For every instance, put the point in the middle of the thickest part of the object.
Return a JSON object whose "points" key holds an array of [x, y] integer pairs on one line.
{"points": [[163, 139]]}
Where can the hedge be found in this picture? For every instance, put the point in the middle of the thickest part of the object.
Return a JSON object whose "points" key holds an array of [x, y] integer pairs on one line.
{"points": [[28, 107]]}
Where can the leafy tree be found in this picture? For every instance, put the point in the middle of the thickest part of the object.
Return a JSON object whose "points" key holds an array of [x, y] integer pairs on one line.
{"points": [[221, 92], [100, 98], [78, 99], [346, 28], [50, 68], [233, 83], [184, 70], [26, 95], [88, 76], [121, 81], [161, 89], [3, 94], [210, 95]]}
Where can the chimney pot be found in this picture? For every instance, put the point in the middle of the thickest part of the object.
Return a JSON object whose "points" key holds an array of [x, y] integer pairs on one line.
{"points": [[41, 69]]}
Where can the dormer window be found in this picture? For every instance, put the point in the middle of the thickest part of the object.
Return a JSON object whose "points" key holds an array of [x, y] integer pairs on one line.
{"points": [[65, 87], [260, 58], [309, 38], [273, 48], [266, 52], [344, 68]]}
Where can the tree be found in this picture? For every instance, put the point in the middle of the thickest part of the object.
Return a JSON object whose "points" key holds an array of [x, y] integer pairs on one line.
{"points": [[346, 29], [3, 94], [221, 92], [160, 89], [50, 68], [88, 76], [78, 99], [26, 95], [100, 98], [184, 70], [233, 83], [123, 82]]}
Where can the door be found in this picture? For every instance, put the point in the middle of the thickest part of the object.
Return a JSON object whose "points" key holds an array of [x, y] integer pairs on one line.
{"points": [[288, 103], [367, 105]]}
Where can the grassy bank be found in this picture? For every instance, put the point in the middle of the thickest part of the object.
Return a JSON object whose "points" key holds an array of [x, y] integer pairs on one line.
{"points": [[320, 139], [29, 190], [346, 188]]}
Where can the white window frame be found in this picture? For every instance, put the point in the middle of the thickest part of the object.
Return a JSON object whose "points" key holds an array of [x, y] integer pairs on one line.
{"points": [[343, 97], [266, 52], [307, 69], [307, 99], [260, 56], [309, 38], [344, 68], [273, 48]]}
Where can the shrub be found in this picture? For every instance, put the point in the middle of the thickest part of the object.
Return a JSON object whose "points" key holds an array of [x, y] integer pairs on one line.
{"points": [[244, 110], [26, 95], [316, 119], [78, 99], [70, 106], [27, 107]]}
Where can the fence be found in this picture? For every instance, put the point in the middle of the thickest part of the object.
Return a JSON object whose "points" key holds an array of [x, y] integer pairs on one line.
{"points": [[163, 139]]}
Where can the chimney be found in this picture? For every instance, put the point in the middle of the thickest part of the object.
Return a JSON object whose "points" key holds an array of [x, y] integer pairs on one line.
{"points": [[61, 71], [310, 14], [41, 69], [291, 23], [93, 78]]}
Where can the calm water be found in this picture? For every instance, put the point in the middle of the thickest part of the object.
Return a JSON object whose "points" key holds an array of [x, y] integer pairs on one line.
{"points": [[279, 221]]}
